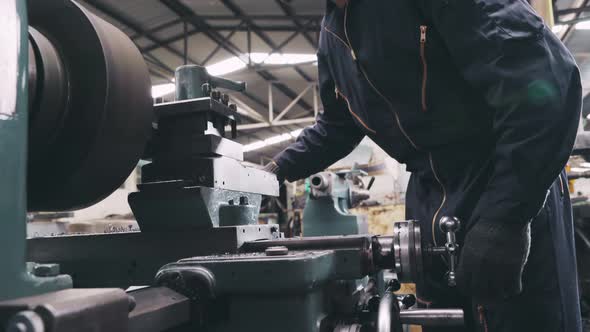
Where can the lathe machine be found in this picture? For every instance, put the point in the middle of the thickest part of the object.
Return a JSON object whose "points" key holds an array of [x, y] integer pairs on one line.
{"points": [[76, 116]]}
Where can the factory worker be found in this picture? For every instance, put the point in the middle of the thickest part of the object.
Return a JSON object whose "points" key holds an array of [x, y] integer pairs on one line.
{"points": [[481, 101]]}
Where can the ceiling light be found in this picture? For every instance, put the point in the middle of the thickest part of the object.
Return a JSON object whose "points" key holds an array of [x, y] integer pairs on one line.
{"points": [[226, 66], [254, 146], [272, 140], [278, 139], [282, 59], [234, 64], [585, 25]]}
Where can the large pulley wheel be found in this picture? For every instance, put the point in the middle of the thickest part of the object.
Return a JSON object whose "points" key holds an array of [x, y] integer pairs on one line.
{"points": [[91, 107]]}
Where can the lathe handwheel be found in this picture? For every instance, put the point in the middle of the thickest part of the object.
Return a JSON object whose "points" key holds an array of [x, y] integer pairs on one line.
{"points": [[84, 144], [407, 249]]}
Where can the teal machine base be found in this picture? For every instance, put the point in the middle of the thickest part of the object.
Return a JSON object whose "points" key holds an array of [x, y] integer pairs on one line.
{"points": [[15, 279]]}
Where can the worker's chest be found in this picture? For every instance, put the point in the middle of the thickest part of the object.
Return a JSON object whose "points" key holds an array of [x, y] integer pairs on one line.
{"points": [[385, 55]]}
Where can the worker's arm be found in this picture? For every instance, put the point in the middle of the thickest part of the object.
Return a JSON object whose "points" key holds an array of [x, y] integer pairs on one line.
{"points": [[332, 137], [531, 82]]}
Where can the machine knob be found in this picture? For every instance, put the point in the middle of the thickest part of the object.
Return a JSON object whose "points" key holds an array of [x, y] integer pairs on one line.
{"points": [[408, 301], [394, 285], [449, 224], [215, 95], [244, 200]]}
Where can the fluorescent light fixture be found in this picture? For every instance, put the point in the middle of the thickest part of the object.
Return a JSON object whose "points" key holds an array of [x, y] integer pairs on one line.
{"points": [[162, 90], [585, 25], [282, 59], [558, 28], [254, 146], [272, 140], [278, 139], [226, 66]]}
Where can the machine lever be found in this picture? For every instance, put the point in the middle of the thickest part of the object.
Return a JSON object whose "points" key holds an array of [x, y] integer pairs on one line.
{"points": [[194, 81], [450, 226], [371, 182], [218, 82]]}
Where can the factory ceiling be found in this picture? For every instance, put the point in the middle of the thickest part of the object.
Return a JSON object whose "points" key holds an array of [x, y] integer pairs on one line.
{"points": [[234, 38]]}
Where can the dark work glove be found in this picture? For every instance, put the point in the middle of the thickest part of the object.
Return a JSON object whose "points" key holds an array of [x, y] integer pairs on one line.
{"points": [[273, 168], [492, 260]]}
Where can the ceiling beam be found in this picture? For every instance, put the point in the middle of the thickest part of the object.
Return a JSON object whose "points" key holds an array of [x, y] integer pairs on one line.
{"points": [[277, 18], [572, 11], [186, 13], [290, 12], [218, 47], [135, 27], [236, 10], [158, 28], [568, 32]]}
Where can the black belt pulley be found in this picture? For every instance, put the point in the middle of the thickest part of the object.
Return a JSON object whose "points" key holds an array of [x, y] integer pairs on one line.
{"points": [[90, 109]]}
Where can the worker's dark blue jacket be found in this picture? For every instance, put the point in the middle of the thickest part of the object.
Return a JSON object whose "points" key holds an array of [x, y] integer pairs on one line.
{"points": [[479, 95]]}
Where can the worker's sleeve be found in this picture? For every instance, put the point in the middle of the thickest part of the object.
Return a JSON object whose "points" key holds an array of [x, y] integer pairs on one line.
{"points": [[531, 82], [333, 136]]}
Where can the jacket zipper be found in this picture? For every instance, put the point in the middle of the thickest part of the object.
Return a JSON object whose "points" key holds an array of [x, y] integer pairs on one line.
{"points": [[442, 203], [338, 93], [349, 45], [423, 35], [337, 37], [482, 318], [423, 31], [561, 186]]}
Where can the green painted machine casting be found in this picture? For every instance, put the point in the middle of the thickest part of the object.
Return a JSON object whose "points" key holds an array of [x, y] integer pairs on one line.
{"points": [[331, 197], [15, 278]]}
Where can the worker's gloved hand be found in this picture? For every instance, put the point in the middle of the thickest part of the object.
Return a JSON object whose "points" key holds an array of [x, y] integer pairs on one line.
{"points": [[492, 260], [273, 168]]}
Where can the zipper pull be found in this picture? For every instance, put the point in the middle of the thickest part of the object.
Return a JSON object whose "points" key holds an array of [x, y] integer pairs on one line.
{"points": [[337, 93], [482, 317], [356, 60], [423, 30]]}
